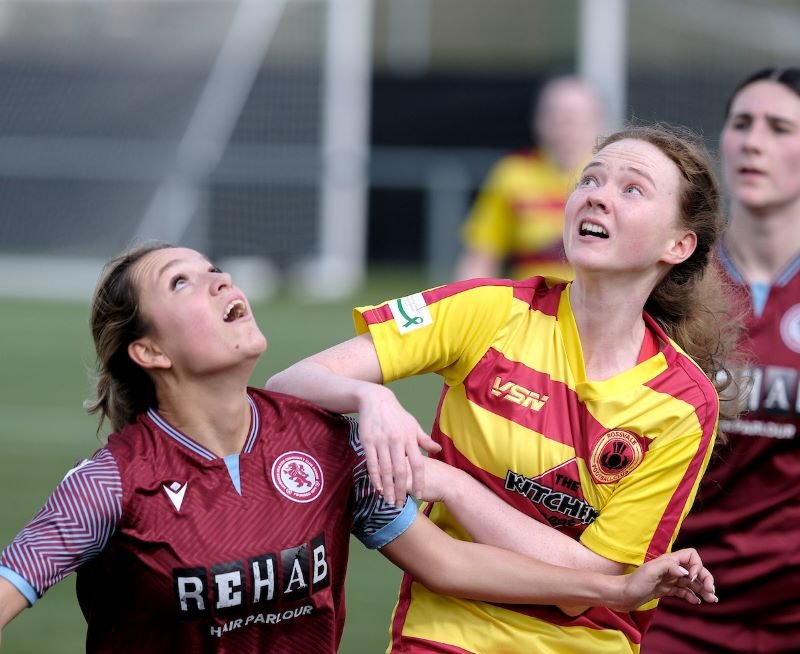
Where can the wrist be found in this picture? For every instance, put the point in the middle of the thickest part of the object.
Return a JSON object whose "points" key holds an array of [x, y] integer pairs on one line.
{"points": [[455, 490], [617, 592], [369, 393]]}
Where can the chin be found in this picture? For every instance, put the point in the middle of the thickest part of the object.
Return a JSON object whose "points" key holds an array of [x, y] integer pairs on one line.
{"points": [[752, 200], [257, 347]]}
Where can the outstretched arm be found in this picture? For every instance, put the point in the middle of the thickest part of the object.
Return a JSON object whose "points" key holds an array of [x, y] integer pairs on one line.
{"points": [[482, 572], [12, 602], [347, 378], [489, 519]]}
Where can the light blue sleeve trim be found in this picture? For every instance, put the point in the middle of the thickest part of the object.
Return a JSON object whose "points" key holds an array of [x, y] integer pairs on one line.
{"points": [[20, 584], [389, 532]]}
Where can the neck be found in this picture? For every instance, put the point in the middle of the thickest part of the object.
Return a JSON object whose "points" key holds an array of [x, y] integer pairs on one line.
{"points": [[215, 413], [609, 318], [763, 243]]}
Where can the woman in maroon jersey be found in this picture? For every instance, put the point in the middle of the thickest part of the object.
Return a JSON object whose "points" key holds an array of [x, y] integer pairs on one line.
{"points": [[217, 517], [745, 520]]}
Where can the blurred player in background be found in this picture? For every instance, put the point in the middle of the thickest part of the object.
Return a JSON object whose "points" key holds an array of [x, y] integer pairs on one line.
{"points": [[746, 521], [516, 224], [577, 409], [217, 517]]}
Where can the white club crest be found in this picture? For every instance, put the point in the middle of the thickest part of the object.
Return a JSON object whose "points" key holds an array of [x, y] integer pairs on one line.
{"points": [[790, 328], [297, 476]]}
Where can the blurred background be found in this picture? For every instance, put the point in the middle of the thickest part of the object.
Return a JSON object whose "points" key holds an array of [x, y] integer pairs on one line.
{"points": [[326, 152]]}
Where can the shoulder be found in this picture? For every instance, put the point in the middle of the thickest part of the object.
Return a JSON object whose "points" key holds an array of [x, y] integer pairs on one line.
{"points": [[540, 293], [131, 439], [683, 378], [415, 309], [519, 161], [685, 381]]}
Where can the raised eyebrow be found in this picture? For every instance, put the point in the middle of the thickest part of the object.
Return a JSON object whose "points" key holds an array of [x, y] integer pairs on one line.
{"points": [[739, 115], [166, 267], [772, 118], [633, 169], [177, 262], [642, 173], [781, 120]]}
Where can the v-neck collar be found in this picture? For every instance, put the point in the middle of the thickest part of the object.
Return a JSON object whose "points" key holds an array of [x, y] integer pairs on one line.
{"points": [[626, 380], [781, 279], [190, 444]]}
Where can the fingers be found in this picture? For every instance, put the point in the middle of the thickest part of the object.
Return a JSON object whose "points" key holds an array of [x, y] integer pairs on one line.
{"points": [[416, 466], [700, 580], [386, 473], [373, 468], [685, 594], [396, 488], [427, 443], [689, 559], [703, 586]]}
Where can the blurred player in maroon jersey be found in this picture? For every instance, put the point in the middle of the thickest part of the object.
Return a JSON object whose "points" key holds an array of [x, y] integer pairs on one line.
{"points": [[217, 517], [745, 522]]}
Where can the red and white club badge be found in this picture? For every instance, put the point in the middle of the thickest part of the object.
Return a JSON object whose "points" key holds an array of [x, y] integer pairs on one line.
{"points": [[297, 476], [616, 454]]}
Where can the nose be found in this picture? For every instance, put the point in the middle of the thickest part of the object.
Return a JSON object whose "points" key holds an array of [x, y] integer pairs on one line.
{"points": [[221, 281], [752, 138], [596, 199]]}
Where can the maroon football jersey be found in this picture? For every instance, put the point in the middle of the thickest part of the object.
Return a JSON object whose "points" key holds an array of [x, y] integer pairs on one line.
{"points": [[196, 566], [746, 519]]}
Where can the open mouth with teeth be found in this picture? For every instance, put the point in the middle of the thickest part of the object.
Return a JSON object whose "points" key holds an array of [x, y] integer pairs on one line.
{"points": [[235, 309], [591, 229]]}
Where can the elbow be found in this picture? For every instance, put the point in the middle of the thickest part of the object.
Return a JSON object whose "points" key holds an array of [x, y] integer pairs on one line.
{"points": [[438, 585], [281, 382], [273, 383]]}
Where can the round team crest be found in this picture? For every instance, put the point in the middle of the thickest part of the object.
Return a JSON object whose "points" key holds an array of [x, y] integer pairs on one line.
{"points": [[790, 328], [617, 453], [297, 476]]}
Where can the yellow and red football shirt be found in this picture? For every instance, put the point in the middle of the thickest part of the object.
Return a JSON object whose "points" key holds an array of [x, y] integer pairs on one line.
{"points": [[614, 464], [518, 216]]}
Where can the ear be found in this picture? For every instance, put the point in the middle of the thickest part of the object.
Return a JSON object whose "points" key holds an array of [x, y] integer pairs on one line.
{"points": [[681, 249], [145, 353]]}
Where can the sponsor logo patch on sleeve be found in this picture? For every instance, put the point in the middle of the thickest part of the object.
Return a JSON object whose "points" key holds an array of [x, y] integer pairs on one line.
{"points": [[410, 313]]}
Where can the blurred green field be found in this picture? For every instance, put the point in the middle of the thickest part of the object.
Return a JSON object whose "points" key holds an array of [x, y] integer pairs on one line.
{"points": [[45, 353]]}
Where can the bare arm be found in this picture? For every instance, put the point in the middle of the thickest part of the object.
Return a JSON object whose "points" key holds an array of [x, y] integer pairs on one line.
{"points": [[448, 566], [347, 378], [492, 521], [12, 602]]}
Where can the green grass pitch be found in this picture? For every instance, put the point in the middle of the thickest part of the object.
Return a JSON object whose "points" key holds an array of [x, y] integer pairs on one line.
{"points": [[45, 354]]}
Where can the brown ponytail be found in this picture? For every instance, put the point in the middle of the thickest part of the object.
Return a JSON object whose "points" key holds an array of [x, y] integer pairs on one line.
{"points": [[122, 389]]}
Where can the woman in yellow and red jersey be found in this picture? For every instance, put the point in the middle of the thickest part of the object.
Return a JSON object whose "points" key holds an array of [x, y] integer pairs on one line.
{"points": [[585, 409]]}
